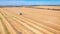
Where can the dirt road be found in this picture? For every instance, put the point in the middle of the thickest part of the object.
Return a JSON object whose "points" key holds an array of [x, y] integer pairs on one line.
{"points": [[32, 21]]}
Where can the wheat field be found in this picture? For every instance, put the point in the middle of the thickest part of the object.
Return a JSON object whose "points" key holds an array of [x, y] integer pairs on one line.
{"points": [[32, 20]]}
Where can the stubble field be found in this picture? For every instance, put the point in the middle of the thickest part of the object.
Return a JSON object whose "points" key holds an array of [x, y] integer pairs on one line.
{"points": [[34, 20]]}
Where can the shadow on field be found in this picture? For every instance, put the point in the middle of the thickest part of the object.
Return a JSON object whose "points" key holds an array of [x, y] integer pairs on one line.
{"points": [[44, 8]]}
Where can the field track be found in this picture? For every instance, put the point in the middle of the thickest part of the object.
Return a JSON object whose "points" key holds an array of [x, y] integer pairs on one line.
{"points": [[32, 20]]}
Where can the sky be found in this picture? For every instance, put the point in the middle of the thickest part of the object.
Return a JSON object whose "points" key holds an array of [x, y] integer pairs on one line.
{"points": [[29, 2]]}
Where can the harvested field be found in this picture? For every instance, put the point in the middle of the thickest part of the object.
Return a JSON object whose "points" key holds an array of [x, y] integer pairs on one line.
{"points": [[32, 21], [52, 7]]}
